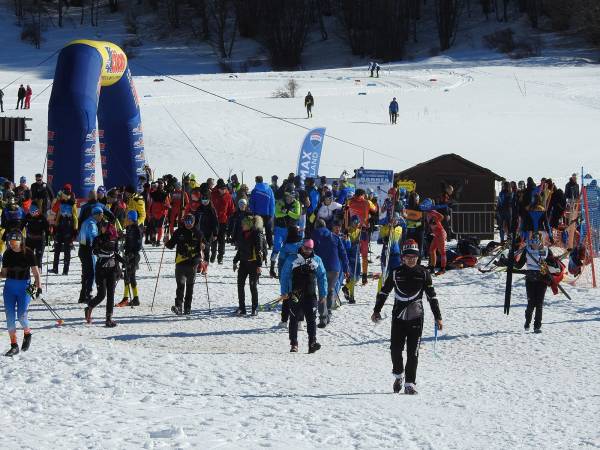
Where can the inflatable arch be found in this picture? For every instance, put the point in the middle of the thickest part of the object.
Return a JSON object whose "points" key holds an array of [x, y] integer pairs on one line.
{"points": [[93, 81]]}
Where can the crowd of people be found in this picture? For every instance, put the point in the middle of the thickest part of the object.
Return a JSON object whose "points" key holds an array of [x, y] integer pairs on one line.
{"points": [[313, 235]]}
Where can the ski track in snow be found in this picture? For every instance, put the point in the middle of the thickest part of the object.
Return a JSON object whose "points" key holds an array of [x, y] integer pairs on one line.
{"points": [[219, 381]]}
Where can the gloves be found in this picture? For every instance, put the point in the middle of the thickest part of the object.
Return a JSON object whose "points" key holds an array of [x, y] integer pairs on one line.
{"points": [[38, 292], [376, 317]]}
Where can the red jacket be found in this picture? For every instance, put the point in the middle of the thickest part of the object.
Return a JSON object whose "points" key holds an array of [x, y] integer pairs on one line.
{"points": [[223, 205]]}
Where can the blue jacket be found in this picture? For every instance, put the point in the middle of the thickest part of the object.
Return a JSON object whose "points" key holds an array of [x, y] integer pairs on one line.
{"points": [[88, 231], [262, 200], [288, 250], [285, 276], [344, 194], [331, 250], [393, 106], [314, 196]]}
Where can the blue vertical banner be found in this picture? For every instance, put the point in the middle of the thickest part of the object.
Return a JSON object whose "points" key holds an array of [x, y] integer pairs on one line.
{"points": [[310, 154]]}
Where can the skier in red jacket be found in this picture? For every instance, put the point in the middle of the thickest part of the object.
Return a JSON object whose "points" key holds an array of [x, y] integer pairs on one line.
{"points": [[223, 204]]}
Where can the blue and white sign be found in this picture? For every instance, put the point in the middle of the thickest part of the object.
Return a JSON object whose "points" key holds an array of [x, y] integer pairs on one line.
{"points": [[378, 181], [310, 154]]}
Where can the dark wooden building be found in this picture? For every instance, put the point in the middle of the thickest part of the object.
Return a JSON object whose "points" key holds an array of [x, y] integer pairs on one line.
{"points": [[474, 197], [471, 182]]}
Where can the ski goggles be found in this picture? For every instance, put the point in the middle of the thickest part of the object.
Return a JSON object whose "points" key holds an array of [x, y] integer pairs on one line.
{"points": [[189, 220]]}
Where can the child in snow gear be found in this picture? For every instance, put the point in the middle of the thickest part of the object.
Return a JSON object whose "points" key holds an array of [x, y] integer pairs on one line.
{"points": [[187, 241], [409, 282], [107, 273], [251, 248], [540, 265], [131, 260], [309, 102], [300, 278], [17, 265]]}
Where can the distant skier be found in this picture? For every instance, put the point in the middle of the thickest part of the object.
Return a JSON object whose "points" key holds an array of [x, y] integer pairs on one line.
{"points": [[377, 67], [309, 102], [28, 94], [409, 282], [371, 68], [21, 96], [393, 111], [1, 100]]}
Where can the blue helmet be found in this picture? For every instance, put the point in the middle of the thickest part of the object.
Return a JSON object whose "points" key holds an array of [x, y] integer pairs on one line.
{"points": [[97, 210], [132, 216], [33, 209]]}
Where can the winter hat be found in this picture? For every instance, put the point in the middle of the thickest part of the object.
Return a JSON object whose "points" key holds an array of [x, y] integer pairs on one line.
{"points": [[97, 210], [33, 208], [23, 180], [242, 202], [410, 247], [308, 243], [221, 184], [320, 223], [14, 235], [132, 216]]}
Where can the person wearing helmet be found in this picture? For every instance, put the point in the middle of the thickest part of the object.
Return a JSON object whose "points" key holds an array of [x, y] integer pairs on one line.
{"points": [[251, 248], [101, 195], [131, 260], [107, 270], [37, 228], [300, 278], [409, 282], [18, 264], [66, 223], [87, 234], [542, 270], [13, 216], [187, 241]]}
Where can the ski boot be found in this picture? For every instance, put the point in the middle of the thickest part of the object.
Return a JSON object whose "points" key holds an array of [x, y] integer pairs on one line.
{"points": [[254, 312], [398, 383], [187, 311], [527, 324], [176, 310], [294, 348], [220, 260], [282, 324], [240, 312], [87, 312], [410, 389], [26, 342], [135, 301], [346, 293], [123, 303], [364, 279], [110, 323], [14, 349], [272, 273], [313, 347], [537, 330], [322, 322]]}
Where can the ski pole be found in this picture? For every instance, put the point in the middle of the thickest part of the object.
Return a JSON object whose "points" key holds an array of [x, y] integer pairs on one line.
{"points": [[59, 320], [207, 293], [47, 262], [435, 334], [157, 276]]}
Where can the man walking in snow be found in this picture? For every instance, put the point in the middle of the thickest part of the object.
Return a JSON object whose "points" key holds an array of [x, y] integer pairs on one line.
{"points": [[393, 111], [409, 282], [309, 102], [20, 96]]}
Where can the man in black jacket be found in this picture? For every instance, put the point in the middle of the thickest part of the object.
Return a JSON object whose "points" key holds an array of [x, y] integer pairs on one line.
{"points": [[188, 255], [572, 189], [41, 194], [251, 251], [409, 282], [21, 96]]}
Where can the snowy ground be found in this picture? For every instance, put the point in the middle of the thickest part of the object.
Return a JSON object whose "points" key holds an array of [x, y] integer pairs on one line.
{"points": [[218, 381]]}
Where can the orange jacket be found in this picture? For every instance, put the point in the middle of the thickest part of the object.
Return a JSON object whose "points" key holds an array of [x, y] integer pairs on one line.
{"points": [[361, 207]]}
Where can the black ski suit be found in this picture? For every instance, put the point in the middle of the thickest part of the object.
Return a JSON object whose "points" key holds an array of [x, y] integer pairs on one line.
{"points": [[188, 254], [37, 230], [250, 253], [131, 249], [408, 284], [107, 272]]}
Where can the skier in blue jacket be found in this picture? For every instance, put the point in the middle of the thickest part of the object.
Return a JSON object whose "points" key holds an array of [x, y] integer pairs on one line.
{"points": [[300, 278], [262, 202], [330, 249], [393, 111], [87, 234]]}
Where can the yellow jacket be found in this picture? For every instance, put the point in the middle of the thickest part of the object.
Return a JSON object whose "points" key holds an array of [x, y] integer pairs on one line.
{"points": [[136, 203]]}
